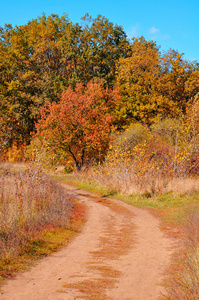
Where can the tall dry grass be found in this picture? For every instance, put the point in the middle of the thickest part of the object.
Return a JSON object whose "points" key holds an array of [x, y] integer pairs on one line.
{"points": [[126, 179], [29, 202], [183, 278]]}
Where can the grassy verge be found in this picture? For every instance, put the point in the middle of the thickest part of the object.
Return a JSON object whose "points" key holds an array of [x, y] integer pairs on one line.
{"points": [[176, 203], [47, 241], [37, 217]]}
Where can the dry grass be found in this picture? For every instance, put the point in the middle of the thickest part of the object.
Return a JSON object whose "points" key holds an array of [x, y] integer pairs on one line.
{"points": [[183, 277], [120, 178], [184, 185], [30, 204], [95, 289]]}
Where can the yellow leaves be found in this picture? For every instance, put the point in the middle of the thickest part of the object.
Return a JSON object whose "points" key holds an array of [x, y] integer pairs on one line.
{"points": [[13, 85], [167, 152], [15, 152], [154, 86], [27, 75]]}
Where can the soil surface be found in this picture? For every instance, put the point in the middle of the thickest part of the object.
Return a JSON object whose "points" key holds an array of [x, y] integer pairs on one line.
{"points": [[120, 254]]}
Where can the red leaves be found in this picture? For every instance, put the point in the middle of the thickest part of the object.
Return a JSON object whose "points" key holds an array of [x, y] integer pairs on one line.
{"points": [[80, 123]]}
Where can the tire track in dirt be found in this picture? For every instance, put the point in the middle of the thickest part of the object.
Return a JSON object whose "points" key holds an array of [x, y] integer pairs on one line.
{"points": [[121, 254]]}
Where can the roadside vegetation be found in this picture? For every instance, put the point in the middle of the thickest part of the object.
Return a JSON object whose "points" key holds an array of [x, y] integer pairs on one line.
{"points": [[183, 276], [37, 216]]}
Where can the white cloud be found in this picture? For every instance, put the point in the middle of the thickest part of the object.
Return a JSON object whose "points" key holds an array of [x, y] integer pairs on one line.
{"points": [[134, 31], [183, 33], [153, 30], [165, 36], [157, 34]]}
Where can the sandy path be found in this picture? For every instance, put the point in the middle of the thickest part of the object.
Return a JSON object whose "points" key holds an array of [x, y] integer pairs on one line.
{"points": [[121, 254]]}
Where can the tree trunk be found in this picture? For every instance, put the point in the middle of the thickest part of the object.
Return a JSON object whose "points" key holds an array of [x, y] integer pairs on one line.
{"points": [[78, 164]]}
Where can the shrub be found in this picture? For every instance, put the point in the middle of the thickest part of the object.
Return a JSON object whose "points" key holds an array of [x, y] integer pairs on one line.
{"points": [[143, 160]]}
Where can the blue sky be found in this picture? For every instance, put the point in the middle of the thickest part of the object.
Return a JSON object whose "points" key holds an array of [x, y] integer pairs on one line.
{"points": [[171, 23]]}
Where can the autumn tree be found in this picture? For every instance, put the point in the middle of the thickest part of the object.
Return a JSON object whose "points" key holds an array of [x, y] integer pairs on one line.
{"points": [[154, 86], [136, 78], [179, 81], [80, 124], [40, 59], [29, 72], [102, 44]]}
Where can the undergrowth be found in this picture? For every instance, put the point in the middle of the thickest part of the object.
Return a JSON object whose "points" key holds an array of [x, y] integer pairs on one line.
{"points": [[183, 275], [37, 216]]}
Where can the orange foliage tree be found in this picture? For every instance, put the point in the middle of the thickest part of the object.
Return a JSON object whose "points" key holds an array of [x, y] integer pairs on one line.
{"points": [[154, 86], [80, 124]]}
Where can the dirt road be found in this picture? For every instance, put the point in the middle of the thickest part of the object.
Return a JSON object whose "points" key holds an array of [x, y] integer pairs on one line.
{"points": [[121, 254]]}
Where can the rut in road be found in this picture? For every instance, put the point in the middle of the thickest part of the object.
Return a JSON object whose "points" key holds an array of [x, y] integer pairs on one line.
{"points": [[121, 254]]}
